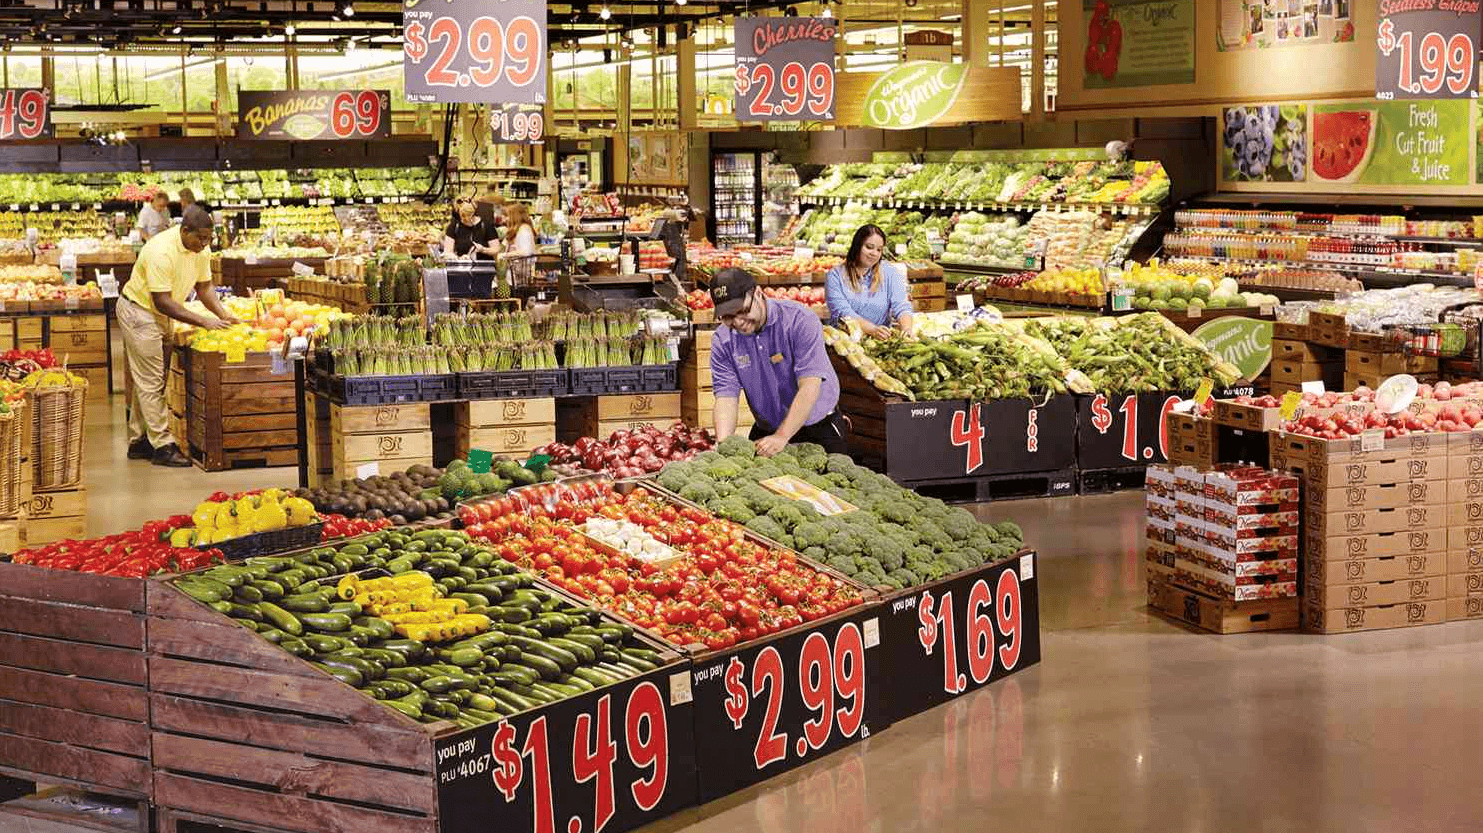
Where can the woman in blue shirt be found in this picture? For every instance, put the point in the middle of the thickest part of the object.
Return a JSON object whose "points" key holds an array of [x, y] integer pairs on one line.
{"points": [[868, 289]]}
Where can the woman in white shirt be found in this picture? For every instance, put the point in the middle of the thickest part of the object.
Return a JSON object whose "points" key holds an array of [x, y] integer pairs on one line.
{"points": [[155, 216], [520, 235]]}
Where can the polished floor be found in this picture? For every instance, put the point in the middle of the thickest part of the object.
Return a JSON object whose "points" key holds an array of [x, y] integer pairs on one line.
{"points": [[1129, 723]]}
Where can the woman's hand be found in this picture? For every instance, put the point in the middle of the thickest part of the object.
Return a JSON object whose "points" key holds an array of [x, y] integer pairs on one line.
{"points": [[875, 330]]}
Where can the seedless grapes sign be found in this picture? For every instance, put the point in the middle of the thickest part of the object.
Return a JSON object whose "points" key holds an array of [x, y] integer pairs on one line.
{"points": [[785, 68], [474, 51], [1427, 49], [313, 114]]}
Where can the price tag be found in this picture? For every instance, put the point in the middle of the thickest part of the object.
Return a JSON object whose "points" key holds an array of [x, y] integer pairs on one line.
{"points": [[236, 354], [1203, 392], [70, 303], [965, 303], [278, 366], [273, 202], [367, 470], [803, 253], [27, 114], [1373, 440], [481, 53], [1194, 312], [1266, 310], [480, 460], [14, 207], [1290, 402], [1314, 387], [1426, 53], [792, 78]]}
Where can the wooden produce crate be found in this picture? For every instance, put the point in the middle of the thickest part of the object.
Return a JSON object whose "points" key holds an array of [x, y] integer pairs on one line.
{"points": [[393, 437], [244, 277], [239, 414], [29, 330], [503, 426], [698, 409], [1219, 615], [97, 376], [600, 416], [1327, 329], [73, 675], [53, 516], [319, 455], [78, 340]]}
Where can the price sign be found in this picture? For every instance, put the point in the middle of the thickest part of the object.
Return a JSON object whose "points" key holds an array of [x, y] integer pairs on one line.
{"points": [[949, 638], [607, 761], [1117, 430], [24, 114], [471, 51], [1424, 52], [766, 709], [785, 68], [517, 124], [313, 114]]}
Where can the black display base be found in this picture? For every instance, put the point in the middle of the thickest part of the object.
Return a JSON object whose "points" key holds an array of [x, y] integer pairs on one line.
{"points": [[1105, 481], [1030, 484]]}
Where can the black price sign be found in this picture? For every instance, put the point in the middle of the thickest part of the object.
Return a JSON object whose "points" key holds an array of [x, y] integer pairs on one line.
{"points": [[606, 762], [965, 632], [474, 51], [1427, 50], [24, 114], [785, 68], [517, 124], [1118, 430], [313, 114], [765, 710], [957, 438]]}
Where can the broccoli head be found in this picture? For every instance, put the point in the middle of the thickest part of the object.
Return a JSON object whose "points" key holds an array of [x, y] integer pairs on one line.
{"points": [[866, 562], [840, 464], [843, 563], [733, 509], [757, 497], [737, 445], [960, 524], [892, 510], [705, 458], [1011, 531], [885, 551], [836, 482], [676, 475], [842, 543], [907, 577], [769, 528], [698, 490], [816, 554], [786, 513], [810, 534], [764, 470], [724, 488], [932, 535], [920, 555], [724, 469]]}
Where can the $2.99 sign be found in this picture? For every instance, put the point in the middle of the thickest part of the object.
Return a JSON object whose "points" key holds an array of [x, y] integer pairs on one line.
{"points": [[784, 68], [24, 114], [1427, 53], [456, 51]]}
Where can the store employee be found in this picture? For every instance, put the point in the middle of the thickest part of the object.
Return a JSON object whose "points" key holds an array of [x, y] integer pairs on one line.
{"points": [[774, 351], [171, 265]]}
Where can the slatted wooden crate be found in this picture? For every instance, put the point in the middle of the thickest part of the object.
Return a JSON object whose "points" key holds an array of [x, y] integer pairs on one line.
{"points": [[504, 426], [600, 416], [74, 707], [391, 436], [320, 459], [54, 516], [239, 414], [697, 395], [78, 339]]}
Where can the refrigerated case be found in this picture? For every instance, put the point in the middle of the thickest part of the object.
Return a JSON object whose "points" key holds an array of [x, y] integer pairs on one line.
{"points": [[779, 197], [736, 197], [580, 165]]}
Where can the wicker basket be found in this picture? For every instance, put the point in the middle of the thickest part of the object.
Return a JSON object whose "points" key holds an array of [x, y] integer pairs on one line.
{"points": [[56, 436], [11, 474]]}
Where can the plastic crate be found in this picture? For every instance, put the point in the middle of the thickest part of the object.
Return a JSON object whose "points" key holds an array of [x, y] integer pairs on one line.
{"points": [[550, 382], [375, 390], [494, 384], [589, 380], [268, 543], [658, 377], [438, 387]]}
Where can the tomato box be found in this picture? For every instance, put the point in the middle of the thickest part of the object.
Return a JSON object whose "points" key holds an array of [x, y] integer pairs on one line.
{"points": [[1460, 608], [1365, 521], [1339, 546], [1370, 594], [1375, 472], [1464, 584], [1321, 573], [1349, 619], [1365, 447], [1465, 560], [965, 631], [1465, 489]]}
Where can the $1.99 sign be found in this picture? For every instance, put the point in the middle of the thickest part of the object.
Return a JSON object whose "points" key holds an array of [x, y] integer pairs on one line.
{"points": [[784, 68], [608, 761], [1425, 52], [471, 51], [24, 114], [517, 124]]}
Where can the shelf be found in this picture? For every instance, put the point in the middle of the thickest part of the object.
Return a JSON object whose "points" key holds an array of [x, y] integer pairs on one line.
{"points": [[1366, 274], [1465, 242], [1460, 202], [975, 205], [950, 266]]}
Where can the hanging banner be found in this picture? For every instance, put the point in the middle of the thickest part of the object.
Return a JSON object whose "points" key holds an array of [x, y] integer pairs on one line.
{"points": [[517, 124], [1269, 24], [1139, 43], [1264, 143], [928, 93], [785, 68], [1392, 143], [313, 114], [24, 114], [473, 52], [1427, 49]]}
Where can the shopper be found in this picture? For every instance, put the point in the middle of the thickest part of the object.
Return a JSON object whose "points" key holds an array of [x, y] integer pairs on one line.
{"points": [[520, 235], [187, 199], [154, 217], [869, 289], [467, 234], [773, 350], [491, 206], [172, 264]]}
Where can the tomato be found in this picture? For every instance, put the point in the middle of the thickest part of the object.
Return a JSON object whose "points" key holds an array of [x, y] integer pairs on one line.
{"points": [[554, 573]]}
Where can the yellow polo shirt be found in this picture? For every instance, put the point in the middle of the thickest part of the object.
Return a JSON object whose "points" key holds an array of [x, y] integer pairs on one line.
{"points": [[166, 265]]}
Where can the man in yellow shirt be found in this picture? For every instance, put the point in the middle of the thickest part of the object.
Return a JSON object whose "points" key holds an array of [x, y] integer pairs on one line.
{"points": [[171, 265]]}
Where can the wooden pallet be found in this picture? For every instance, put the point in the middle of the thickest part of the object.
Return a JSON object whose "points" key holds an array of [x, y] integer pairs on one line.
{"points": [[1221, 616], [1104, 481], [239, 414], [73, 676], [987, 488]]}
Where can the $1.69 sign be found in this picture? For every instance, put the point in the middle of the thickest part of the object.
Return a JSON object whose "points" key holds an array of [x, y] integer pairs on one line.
{"points": [[601, 763], [24, 114], [766, 710], [784, 68], [1427, 53], [471, 51]]}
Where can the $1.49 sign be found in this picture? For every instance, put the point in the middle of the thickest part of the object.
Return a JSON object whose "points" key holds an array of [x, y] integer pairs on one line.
{"points": [[1425, 52], [472, 51], [785, 68], [24, 114]]}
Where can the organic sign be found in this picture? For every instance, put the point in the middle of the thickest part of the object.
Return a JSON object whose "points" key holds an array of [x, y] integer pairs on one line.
{"points": [[313, 114], [784, 68], [24, 114], [1427, 49], [1391, 143], [470, 51], [915, 94], [1244, 342], [1139, 43], [517, 124]]}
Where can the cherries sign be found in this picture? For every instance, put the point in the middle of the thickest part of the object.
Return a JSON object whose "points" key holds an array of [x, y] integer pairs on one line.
{"points": [[785, 68]]}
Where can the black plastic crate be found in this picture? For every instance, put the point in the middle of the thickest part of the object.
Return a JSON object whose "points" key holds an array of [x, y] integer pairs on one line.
{"points": [[549, 382], [587, 380], [658, 377], [438, 387], [495, 384], [375, 390], [268, 543]]}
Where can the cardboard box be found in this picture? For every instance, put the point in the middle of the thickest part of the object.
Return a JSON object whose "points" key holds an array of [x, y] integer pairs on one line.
{"points": [[1356, 449], [1373, 593], [1464, 584], [1296, 373], [1342, 547], [11, 539], [1292, 350], [1462, 608], [1464, 466], [1340, 619], [1380, 496], [1381, 365], [1466, 560], [1463, 538], [1461, 491], [1464, 443], [1366, 521], [1250, 417], [1465, 513], [1375, 472], [1319, 572]]}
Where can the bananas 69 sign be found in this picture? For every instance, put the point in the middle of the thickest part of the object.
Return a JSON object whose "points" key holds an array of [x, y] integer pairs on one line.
{"points": [[313, 114]]}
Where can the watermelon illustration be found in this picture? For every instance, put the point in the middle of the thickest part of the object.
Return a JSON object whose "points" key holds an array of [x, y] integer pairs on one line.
{"points": [[1342, 144]]}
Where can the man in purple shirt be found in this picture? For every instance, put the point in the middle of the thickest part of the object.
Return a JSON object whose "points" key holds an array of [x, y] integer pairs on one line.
{"points": [[774, 350]]}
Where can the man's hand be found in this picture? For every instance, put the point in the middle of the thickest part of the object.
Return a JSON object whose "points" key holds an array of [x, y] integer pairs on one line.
{"points": [[216, 323], [229, 319], [770, 445]]}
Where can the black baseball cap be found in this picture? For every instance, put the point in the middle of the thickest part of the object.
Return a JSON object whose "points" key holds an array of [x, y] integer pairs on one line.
{"points": [[729, 290]]}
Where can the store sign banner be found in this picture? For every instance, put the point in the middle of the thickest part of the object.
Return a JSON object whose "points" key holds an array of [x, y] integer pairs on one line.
{"points": [[959, 634], [517, 124], [785, 68], [313, 114], [609, 760], [1139, 43], [928, 93], [1263, 24], [24, 114], [1422, 143], [1244, 342], [474, 51], [1427, 49]]}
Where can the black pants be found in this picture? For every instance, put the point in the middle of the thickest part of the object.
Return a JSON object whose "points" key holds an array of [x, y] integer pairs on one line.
{"points": [[828, 432]]}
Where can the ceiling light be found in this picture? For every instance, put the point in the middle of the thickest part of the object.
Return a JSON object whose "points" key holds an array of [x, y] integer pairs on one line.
{"points": [[680, 2], [175, 31], [605, 13], [828, 12], [347, 10], [290, 30], [350, 46]]}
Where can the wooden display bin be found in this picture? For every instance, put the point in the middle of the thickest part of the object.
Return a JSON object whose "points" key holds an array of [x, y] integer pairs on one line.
{"points": [[54, 516], [503, 426], [239, 414], [600, 416], [394, 437]]}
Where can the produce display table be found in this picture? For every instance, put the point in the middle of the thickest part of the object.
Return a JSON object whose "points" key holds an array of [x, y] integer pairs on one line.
{"points": [[79, 333], [239, 414], [244, 277]]}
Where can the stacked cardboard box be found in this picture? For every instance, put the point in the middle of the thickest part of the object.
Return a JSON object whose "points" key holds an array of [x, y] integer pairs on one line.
{"points": [[1465, 526], [1295, 362]]}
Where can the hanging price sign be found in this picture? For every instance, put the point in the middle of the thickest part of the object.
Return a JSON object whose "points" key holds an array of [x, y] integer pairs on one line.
{"points": [[953, 636], [517, 124], [313, 114], [24, 114], [766, 709], [1425, 52], [607, 761], [471, 51], [785, 68]]}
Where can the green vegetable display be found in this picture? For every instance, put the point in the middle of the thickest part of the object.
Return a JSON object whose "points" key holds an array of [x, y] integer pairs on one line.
{"points": [[1133, 353], [896, 538]]}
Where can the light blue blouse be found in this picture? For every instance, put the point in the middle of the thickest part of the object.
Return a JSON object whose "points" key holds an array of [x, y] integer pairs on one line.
{"points": [[881, 307]]}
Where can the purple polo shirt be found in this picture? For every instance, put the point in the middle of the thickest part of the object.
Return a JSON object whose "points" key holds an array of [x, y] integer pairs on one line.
{"points": [[769, 364]]}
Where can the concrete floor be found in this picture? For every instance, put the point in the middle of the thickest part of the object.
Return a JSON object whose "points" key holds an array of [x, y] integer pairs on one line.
{"points": [[1129, 723]]}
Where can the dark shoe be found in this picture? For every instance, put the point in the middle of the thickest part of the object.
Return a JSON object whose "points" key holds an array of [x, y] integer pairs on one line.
{"points": [[140, 449], [170, 456]]}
